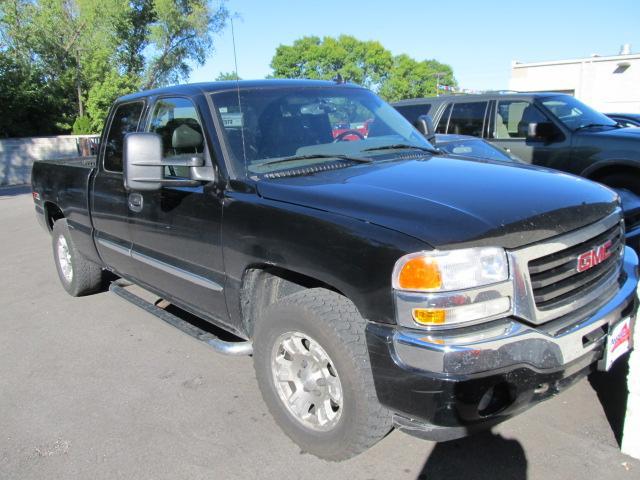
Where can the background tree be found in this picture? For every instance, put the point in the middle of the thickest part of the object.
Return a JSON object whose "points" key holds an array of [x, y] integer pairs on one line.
{"points": [[366, 63], [227, 76], [92, 51], [409, 78]]}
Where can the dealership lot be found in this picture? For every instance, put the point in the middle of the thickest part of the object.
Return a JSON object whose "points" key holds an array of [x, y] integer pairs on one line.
{"points": [[96, 388]]}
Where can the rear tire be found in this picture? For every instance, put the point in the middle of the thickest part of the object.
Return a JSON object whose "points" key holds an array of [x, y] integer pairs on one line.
{"points": [[330, 367], [78, 275]]}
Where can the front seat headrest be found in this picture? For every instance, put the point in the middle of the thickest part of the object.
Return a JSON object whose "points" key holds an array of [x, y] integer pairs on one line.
{"points": [[186, 137]]}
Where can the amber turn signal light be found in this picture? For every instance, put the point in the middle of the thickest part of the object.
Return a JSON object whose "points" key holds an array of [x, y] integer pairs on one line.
{"points": [[420, 273], [427, 316]]}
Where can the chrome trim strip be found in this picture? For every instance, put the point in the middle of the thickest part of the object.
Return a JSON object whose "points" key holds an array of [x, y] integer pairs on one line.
{"points": [[407, 301], [178, 272], [115, 247], [160, 265]]}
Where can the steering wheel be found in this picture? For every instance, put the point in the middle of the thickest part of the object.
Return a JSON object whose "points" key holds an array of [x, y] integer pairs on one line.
{"points": [[341, 137]]}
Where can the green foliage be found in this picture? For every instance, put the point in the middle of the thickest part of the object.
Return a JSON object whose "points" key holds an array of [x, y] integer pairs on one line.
{"points": [[30, 104], [181, 33], [363, 62], [409, 78], [82, 126], [227, 76], [367, 63], [92, 51], [103, 93]]}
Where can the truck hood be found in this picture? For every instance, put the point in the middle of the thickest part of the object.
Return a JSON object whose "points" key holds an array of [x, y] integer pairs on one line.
{"points": [[447, 201], [631, 133]]}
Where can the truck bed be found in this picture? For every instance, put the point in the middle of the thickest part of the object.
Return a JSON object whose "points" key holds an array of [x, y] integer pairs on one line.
{"points": [[64, 184]]}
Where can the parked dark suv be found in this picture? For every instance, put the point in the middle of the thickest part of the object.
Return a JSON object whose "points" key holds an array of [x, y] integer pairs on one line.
{"points": [[547, 129]]}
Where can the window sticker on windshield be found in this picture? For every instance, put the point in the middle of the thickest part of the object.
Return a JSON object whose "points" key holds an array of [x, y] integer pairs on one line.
{"points": [[232, 120]]}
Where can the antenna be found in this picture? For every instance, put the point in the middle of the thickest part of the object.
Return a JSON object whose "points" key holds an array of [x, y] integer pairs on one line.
{"points": [[235, 60]]}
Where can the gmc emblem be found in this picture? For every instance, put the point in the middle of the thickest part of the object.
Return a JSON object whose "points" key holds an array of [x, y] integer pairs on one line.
{"points": [[594, 257]]}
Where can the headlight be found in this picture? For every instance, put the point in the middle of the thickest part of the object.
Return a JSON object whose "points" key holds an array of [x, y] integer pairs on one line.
{"points": [[447, 270], [443, 289]]}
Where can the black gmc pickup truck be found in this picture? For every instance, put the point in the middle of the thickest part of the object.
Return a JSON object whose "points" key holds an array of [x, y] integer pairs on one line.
{"points": [[377, 282]]}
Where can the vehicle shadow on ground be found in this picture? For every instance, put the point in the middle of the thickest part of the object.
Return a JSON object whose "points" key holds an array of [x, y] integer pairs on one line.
{"points": [[611, 388], [14, 190], [483, 456]]}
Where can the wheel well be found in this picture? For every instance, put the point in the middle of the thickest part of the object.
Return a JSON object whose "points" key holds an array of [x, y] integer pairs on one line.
{"points": [[265, 285], [602, 173], [52, 214]]}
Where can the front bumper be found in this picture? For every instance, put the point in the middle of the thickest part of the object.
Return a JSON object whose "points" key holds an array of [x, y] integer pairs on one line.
{"points": [[444, 385]]}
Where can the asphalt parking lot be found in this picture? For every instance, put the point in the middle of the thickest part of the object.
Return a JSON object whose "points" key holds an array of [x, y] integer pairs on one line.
{"points": [[96, 388]]}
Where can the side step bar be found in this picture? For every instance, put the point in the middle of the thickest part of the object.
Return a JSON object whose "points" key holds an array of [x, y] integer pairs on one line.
{"points": [[228, 348]]}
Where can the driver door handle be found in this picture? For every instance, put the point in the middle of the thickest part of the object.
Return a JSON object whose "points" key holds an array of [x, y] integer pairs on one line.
{"points": [[136, 202]]}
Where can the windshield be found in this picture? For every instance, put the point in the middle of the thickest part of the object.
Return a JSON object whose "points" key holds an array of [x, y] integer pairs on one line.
{"points": [[270, 124], [575, 114], [474, 148]]}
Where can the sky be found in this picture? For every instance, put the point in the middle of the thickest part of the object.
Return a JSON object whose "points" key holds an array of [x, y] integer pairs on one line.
{"points": [[479, 39]]}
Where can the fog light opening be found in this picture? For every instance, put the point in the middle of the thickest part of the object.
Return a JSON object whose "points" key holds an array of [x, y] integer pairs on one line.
{"points": [[495, 400]]}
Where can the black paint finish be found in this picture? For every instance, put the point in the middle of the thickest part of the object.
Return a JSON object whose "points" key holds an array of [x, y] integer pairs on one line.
{"points": [[344, 227]]}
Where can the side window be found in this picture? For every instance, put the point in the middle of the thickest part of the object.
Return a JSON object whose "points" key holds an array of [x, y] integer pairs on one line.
{"points": [[176, 121], [412, 112], [125, 120], [444, 120], [467, 118], [513, 118]]}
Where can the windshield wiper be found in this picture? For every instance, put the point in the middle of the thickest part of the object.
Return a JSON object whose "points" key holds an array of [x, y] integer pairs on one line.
{"points": [[314, 156], [402, 146]]}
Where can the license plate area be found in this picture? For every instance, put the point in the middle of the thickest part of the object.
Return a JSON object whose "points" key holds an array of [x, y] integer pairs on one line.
{"points": [[618, 343]]}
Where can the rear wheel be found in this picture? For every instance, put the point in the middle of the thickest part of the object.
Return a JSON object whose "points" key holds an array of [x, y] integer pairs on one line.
{"points": [[78, 275], [312, 366]]}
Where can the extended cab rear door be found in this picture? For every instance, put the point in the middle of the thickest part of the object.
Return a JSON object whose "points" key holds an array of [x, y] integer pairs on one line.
{"points": [[109, 205]]}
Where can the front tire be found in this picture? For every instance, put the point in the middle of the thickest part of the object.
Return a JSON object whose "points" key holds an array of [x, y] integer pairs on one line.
{"points": [[78, 275], [312, 367]]}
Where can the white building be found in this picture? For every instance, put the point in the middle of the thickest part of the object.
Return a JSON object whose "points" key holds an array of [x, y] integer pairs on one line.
{"points": [[610, 84]]}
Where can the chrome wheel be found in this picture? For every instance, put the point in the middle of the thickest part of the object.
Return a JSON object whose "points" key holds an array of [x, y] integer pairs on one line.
{"points": [[307, 381], [64, 259]]}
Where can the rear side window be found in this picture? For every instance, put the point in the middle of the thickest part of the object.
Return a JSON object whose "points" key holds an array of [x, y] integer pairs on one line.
{"points": [[467, 118], [125, 120], [412, 112]]}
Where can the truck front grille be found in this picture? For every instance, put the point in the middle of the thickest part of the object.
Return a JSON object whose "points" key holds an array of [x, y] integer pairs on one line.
{"points": [[555, 279], [548, 283]]}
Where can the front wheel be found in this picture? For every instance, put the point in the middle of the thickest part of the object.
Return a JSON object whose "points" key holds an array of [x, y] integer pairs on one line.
{"points": [[312, 366]]}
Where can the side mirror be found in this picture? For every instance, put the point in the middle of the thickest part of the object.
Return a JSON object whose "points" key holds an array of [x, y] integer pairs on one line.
{"points": [[144, 165], [545, 131], [142, 158], [424, 124]]}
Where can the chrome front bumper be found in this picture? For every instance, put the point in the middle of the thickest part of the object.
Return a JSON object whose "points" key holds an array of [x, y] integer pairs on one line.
{"points": [[506, 342]]}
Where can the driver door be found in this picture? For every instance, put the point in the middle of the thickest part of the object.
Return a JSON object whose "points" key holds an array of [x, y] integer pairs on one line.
{"points": [[176, 230]]}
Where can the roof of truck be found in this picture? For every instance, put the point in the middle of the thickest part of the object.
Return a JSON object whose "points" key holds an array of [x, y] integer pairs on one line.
{"points": [[206, 87]]}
